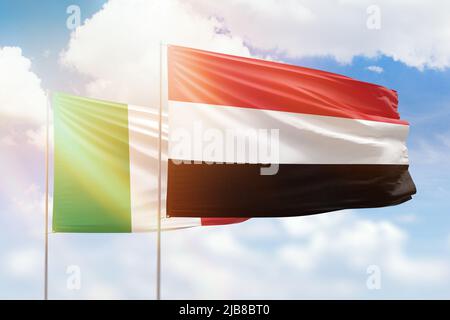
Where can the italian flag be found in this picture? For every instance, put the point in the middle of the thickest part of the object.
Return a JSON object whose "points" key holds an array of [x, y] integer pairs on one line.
{"points": [[106, 168]]}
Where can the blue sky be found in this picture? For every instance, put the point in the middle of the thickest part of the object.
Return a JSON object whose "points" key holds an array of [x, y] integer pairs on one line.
{"points": [[272, 258]]}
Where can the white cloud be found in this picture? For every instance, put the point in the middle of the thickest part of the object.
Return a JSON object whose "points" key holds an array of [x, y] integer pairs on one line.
{"points": [[376, 69], [326, 259], [23, 263], [119, 47], [359, 243], [323, 256], [339, 28], [21, 95]]}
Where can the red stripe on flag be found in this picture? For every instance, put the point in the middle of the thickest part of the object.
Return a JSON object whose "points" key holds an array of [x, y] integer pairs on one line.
{"points": [[219, 79]]}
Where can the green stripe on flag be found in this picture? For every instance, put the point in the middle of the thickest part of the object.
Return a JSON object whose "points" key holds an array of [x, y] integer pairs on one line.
{"points": [[91, 166]]}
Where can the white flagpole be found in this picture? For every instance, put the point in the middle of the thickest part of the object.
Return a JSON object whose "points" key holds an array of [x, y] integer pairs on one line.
{"points": [[158, 236], [46, 198]]}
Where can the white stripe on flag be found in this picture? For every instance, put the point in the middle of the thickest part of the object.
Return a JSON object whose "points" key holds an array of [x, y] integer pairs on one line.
{"points": [[303, 138], [143, 144]]}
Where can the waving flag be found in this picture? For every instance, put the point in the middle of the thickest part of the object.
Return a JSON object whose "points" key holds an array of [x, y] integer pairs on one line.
{"points": [[106, 168], [333, 142]]}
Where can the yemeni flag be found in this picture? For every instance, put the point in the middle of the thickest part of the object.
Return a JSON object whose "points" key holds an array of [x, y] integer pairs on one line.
{"points": [[106, 168], [335, 142]]}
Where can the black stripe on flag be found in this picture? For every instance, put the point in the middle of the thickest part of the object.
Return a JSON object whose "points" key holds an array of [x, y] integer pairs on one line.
{"points": [[238, 190]]}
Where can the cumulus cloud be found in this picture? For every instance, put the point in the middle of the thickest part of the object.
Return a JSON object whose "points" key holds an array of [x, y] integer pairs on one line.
{"points": [[324, 256], [119, 47], [376, 69], [23, 101], [23, 262], [361, 242], [21, 94], [340, 28]]}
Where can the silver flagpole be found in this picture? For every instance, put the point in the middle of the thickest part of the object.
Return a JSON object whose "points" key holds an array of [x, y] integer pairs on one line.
{"points": [[46, 198], [158, 236]]}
